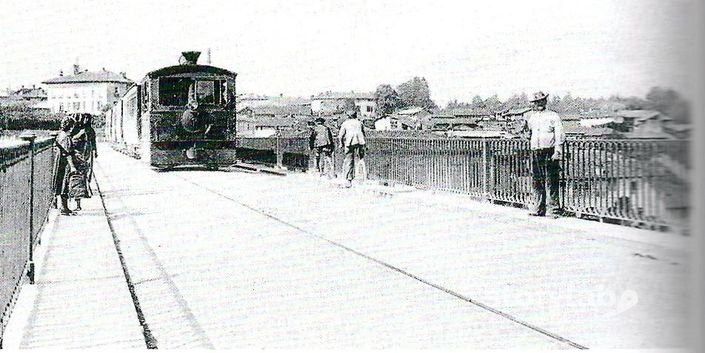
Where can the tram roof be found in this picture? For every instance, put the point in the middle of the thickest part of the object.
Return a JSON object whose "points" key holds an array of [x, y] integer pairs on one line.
{"points": [[180, 69]]}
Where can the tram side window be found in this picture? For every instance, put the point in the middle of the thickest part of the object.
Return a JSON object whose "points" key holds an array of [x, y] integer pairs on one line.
{"points": [[174, 91]]}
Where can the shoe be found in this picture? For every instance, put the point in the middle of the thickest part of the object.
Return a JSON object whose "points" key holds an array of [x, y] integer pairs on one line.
{"points": [[535, 214], [348, 184], [78, 208], [552, 215], [67, 213]]}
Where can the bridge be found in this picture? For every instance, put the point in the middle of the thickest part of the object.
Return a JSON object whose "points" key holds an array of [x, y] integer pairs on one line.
{"points": [[430, 252]]}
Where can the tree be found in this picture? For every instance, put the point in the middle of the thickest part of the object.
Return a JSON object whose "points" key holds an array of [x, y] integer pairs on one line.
{"points": [[492, 103], [415, 92], [387, 99], [668, 102], [477, 102], [516, 101]]}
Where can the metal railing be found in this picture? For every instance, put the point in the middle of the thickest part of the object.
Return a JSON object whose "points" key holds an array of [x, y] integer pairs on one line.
{"points": [[26, 195], [637, 182]]}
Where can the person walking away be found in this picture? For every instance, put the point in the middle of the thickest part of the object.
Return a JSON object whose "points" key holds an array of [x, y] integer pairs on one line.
{"points": [[85, 145], [63, 164], [546, 136], [352, 141], [322, 144]]}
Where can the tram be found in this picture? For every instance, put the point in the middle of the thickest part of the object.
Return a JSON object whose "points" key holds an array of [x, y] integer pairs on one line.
{"points": [[177, 116]]}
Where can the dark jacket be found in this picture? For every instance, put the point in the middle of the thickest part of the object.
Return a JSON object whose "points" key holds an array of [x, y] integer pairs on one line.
{"points": [[321, 136]]}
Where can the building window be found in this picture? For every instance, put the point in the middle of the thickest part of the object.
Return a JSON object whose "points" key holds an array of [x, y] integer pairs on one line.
{"points": [[369, 109], [76, 106]]}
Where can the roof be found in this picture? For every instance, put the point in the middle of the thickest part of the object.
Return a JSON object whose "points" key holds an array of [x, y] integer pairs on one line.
{"points": [[477, 133], [452, 120], [89, 76], [638, 114], [516, 111], [37, 92], [410, 111], [468, 112], [345, 95], [180, 69]]}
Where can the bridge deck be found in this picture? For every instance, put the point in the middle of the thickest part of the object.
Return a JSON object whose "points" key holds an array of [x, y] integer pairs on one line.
{"points": [[237, 259]]}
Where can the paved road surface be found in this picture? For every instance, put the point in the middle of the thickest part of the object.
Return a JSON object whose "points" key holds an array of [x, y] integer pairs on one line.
{"points": [[250, 260]]}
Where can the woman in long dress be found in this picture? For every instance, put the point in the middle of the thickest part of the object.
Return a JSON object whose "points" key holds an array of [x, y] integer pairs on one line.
{"points": [[63, 163], [85, 145]]}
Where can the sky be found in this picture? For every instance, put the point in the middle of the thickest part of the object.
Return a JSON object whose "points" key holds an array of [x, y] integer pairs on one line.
{"points": [[594, 48]]}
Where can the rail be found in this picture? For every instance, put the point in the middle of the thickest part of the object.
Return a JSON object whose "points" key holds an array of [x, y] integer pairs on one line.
{"points": [[635, 182], [26, 195]]}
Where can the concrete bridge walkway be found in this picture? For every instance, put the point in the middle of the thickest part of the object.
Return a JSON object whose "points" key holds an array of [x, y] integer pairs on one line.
{"points": [[250, 260]]}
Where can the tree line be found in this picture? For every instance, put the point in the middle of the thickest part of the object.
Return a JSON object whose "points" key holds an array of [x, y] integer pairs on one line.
{"points": [[416, 92]]}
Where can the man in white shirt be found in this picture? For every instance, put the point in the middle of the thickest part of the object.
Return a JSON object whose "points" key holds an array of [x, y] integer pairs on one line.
{"points": [[546, 134], [352, 140]]}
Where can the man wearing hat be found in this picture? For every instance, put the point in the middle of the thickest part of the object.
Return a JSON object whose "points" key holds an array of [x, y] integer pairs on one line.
{"points": [[352, 141], [321, 142], [545, 131]]}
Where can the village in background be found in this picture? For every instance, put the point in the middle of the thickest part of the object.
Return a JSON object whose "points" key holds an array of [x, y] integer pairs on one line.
{"points": [[661, 114]]}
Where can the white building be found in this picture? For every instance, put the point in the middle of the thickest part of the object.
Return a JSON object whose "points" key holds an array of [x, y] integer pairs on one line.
{"points": [[85, 91]]}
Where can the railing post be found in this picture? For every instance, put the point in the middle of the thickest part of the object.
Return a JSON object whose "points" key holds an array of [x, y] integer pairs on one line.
{"points": [[30, 270], [484, 169], [278, 151]]}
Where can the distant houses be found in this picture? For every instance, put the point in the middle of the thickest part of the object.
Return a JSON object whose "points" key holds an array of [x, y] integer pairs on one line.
{"points": [[263, 115], [34, 98], [330, 103]]}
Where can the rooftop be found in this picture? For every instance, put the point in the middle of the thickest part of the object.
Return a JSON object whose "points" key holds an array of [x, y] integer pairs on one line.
{"points": [[345, 95], [409, 111], [638, 114], [90, 76], [468, 112]]}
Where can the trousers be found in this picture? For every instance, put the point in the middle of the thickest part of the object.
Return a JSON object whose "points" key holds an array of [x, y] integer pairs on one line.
{"points": [[545, 171], [324, 160], [353, 152]]}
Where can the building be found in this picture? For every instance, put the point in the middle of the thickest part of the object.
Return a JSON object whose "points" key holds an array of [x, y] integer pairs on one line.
{"points": [[85, 91], [34, 97], [328, 103], [411, 118]]}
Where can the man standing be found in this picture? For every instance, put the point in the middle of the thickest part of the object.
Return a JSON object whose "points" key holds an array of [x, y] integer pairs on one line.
{"points": [[546, 134], [352, 141], [321, 142]]}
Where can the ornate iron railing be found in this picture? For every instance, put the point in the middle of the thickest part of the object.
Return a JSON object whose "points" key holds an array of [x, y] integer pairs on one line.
{"points": [[26, 195], [637, 182]]}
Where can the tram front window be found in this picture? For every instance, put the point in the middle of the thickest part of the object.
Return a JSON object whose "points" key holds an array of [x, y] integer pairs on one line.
{"points": [[174, 91], [205, 92], [177, 91]]}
